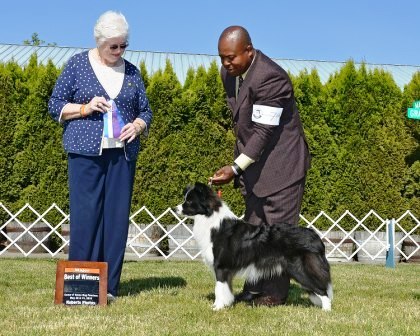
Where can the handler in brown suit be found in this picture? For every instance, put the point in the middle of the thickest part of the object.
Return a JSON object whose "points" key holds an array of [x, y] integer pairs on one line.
{"points": [[271, 153]]}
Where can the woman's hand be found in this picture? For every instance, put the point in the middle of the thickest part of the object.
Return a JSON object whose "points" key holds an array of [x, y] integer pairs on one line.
{"points": [[128, 132], [131, 130], [98, 104]]}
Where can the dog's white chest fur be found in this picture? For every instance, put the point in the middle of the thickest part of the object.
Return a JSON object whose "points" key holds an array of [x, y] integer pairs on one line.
{"points": [[202, 231]]}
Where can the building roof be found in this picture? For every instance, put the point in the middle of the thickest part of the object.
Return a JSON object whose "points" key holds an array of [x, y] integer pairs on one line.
{"points": [[181, 62]]}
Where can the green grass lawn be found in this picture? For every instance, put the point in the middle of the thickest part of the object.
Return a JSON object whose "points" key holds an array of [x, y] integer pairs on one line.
{"points": [[175, 298]]}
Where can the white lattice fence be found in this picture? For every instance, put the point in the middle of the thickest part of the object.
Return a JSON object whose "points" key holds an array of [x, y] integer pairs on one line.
{"points": [[173, 238], [169, 236], [364, 242], [27, 238]]}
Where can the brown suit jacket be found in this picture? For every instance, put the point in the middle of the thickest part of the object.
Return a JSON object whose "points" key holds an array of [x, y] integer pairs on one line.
{"points": [[280, 152]]}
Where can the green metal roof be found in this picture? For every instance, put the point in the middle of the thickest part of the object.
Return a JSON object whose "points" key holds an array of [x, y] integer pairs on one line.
{"points": [[181, 62]]}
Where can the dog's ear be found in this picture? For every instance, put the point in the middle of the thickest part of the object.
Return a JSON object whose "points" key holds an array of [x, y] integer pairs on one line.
{"points": [[208, 198], [205, 190], [201, 187], [187, 189]]}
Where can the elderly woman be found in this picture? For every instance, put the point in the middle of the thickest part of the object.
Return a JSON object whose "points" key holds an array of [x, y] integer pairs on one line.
{"points": [[100, 100]]}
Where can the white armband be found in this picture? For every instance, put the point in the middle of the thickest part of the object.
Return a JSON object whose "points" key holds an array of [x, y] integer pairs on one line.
{"points": [[266, 115]]}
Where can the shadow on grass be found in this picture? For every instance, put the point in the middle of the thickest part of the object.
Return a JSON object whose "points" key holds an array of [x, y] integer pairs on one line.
{"points": [[297, 297], [135, 286]]}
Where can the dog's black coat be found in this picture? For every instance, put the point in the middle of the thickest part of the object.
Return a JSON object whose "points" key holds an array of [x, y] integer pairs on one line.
{"points": [[299, 251], [237, 245]]}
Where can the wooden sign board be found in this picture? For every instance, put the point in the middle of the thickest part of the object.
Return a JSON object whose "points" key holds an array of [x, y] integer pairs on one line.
{"points": [[81, 283]]}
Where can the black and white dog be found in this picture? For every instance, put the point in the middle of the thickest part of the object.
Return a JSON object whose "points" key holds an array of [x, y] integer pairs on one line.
{"points": [[231, 246]]}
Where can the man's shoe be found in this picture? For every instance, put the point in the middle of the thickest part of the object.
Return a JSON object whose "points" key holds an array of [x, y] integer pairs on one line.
{"points": [[269, 301], [246, 296]]}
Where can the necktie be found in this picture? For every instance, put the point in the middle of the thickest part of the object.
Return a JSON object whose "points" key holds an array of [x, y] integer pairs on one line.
{"points": [[240, 81]]}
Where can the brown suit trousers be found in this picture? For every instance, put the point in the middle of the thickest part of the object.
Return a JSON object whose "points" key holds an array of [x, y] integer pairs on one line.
{"points": [[277, 208]]}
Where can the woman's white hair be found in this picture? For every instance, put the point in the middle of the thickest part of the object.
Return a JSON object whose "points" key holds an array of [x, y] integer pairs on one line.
{"points": [[110, 25]]}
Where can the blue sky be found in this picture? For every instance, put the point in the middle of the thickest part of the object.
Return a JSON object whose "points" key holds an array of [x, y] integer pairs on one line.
{"points": [[383, 32]]}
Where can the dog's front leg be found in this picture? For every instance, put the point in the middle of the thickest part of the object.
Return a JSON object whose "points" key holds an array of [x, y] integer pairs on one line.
{"points": [[223, 291]]}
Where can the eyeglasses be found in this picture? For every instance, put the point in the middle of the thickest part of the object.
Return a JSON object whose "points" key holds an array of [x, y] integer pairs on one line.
{"points": [[116, 46]]}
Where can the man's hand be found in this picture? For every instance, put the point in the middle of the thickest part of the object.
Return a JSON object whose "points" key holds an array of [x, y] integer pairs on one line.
{"points": [[222, 176]]}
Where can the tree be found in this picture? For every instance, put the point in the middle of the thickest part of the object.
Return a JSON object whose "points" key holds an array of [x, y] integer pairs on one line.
{"points": [[162, 90], [411, 185], [12, 94], [39, 169], [192, 144], [362, 112], [310, 98], [365, 151], [36, 41]]}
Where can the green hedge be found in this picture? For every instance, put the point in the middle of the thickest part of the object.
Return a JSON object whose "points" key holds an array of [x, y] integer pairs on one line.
{"points": [[365, 151]]}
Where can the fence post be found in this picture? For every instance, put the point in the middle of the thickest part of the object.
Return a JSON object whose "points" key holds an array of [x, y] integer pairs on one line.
{"points": [[390, 261]]}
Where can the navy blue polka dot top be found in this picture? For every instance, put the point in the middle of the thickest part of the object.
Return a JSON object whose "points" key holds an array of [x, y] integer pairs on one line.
{"points": [[78, 84]]}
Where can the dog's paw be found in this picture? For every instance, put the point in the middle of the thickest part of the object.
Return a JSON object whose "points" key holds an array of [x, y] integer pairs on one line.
{"points": [[224, 296], [326, 306], [221, 304], [218, 306], [322, 301]]}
